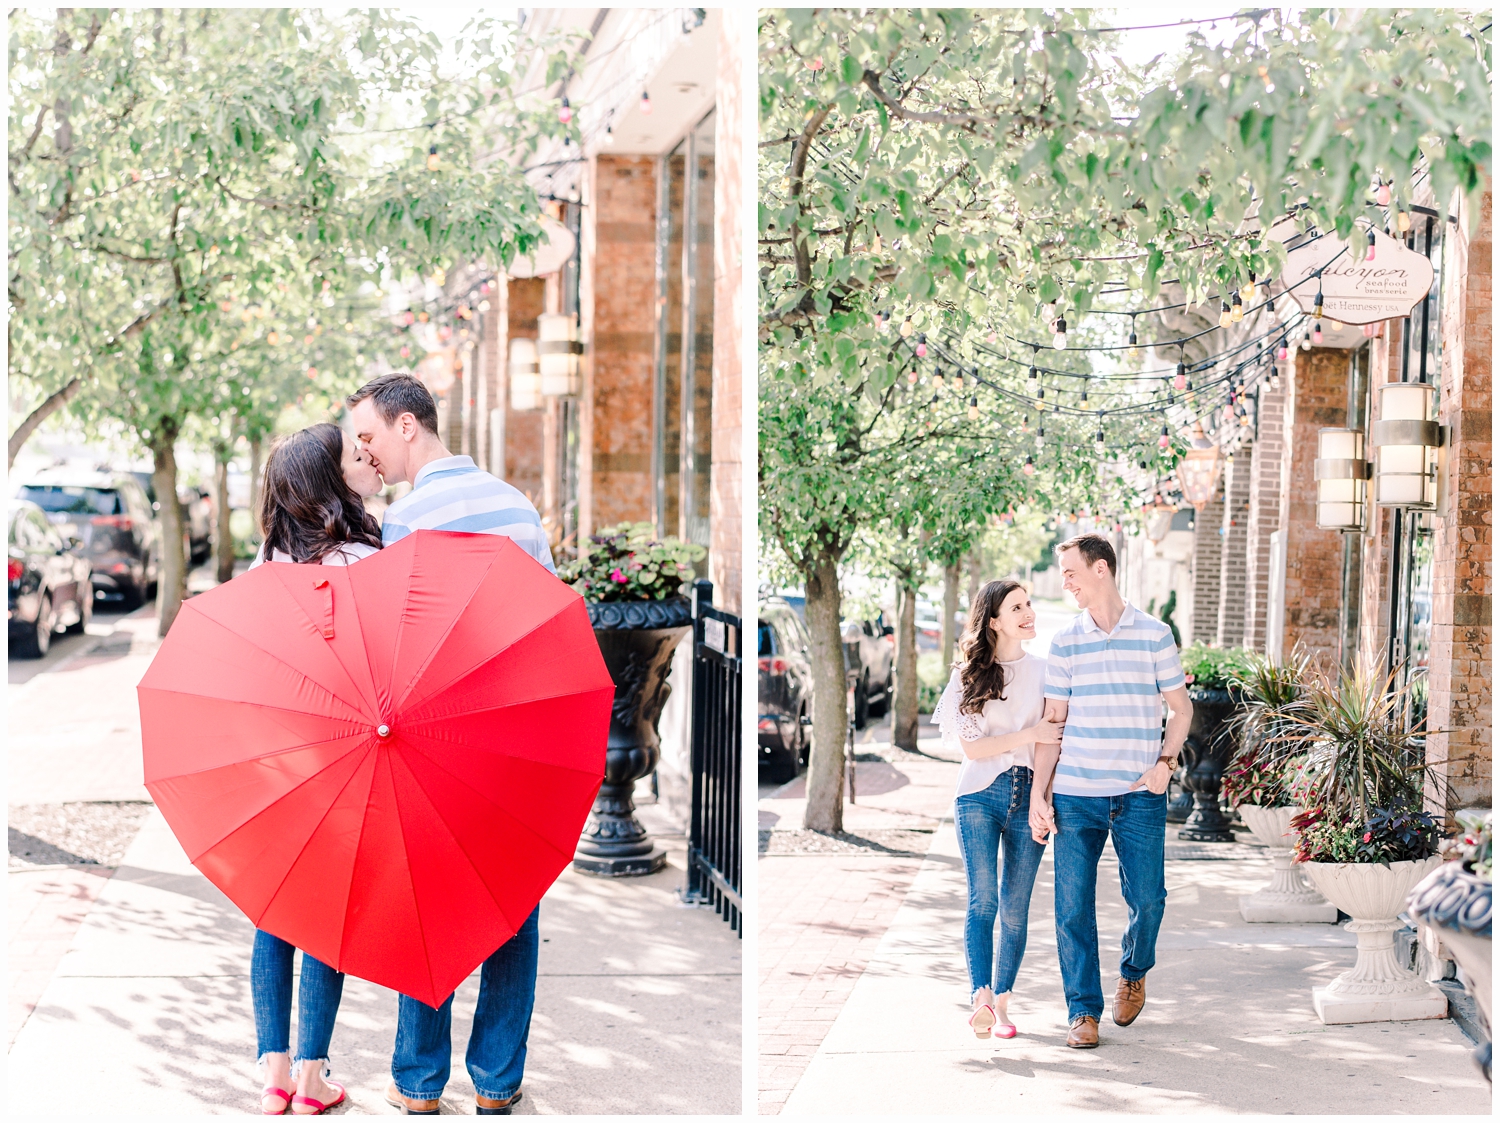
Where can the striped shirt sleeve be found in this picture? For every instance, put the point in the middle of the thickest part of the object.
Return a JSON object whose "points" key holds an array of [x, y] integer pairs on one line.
{"points": [[1059, 682], [1169, 674]]}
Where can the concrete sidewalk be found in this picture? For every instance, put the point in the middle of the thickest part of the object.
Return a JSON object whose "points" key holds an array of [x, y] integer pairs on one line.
{"points": [[638, 1003], [1229, 1026]]}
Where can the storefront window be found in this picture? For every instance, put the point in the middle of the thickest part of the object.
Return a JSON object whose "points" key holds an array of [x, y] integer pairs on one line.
{"points": [[682, 436]]}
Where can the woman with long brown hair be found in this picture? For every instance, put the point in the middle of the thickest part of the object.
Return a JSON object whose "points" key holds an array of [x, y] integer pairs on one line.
{"points": [[312, 510], [992, 708]]}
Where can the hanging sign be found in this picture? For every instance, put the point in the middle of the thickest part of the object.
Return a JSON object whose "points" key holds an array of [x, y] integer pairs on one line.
{"points": [[556, 249], [1358, 291]]}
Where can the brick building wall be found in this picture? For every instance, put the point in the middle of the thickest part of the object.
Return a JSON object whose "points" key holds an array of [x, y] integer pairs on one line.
{"points": [[1208, 555], [1460, 659], [618, 296], [1314, 558], [726, 479], [1264, 497], [1230, 629]]}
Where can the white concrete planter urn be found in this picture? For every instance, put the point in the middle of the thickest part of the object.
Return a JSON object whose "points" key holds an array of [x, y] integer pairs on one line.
{"points": [[1378, 989], [1288, 899]]}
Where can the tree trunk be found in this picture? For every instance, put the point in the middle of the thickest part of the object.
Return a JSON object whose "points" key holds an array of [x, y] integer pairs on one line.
{"points": [[950, 611], [38, 415], [223, 539], [904, 717], [171, 575], [825, 769], [255, 454], [976, 576]]}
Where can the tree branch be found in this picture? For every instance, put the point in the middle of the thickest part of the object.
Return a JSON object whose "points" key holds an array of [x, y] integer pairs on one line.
{"points": [[872, 80]]}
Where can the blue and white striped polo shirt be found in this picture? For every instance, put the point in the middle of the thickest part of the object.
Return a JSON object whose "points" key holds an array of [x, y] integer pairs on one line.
{"points": [[454, 494], [1113, 684]]}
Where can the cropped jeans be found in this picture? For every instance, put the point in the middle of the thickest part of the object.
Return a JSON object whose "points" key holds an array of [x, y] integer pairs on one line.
{"points": [[318, 997], [496, 1056], [995, 837], [1137, 824]]}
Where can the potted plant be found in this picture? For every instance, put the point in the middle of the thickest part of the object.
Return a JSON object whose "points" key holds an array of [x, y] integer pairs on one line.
{"points": [[1364, 839], [1456, 902], [1210, 672], [1257, 783], [633, 583]]}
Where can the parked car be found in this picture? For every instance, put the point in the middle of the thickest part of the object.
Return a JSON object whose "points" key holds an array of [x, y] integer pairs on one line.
{"points": [[869, 648], [113, 521], [197, 510], [785, 690], [49, 584]]}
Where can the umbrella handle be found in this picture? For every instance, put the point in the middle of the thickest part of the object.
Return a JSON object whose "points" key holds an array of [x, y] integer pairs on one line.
{"points": [[327, 618]]}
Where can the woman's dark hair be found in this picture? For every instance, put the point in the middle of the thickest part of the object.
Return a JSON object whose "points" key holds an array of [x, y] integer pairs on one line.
{"points": [[980, 678], [307, 509]]}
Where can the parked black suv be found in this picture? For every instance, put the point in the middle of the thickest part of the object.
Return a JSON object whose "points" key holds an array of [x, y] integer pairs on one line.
{"points": [[110, 516], [869, 649], [785, 691], [48, 584]]}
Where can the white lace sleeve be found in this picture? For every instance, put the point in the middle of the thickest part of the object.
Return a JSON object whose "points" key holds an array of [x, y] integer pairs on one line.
{"points": [[953, 724]]}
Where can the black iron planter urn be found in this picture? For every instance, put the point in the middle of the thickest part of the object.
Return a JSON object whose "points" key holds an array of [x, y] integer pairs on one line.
{"points": [[1209, 746], [637, 639]]}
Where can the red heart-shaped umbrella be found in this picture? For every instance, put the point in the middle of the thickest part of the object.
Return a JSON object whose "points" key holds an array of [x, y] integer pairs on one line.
{"points": [[385, 764]]}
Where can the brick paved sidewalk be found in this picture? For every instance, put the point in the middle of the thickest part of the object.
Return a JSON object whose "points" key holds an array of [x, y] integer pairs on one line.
{"points": [[46, 906]]}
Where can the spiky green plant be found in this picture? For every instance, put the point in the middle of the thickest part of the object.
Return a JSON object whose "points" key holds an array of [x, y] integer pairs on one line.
{"points": [[1267, 747]]}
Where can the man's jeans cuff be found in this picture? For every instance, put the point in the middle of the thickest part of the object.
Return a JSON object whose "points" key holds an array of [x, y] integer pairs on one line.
{"points": [[419, 1095], [493, 1097]]}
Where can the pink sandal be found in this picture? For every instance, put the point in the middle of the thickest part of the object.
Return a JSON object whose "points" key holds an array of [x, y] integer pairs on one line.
{"points": [[1004, 1030], [318, 1107], [271, 1091], [978, 1025]]}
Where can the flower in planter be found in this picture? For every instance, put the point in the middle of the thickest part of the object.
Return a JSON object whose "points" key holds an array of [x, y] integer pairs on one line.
{"points": [[629, 563]]}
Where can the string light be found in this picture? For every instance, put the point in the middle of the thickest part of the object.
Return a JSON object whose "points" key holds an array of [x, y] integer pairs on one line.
{"points": [[906, 326], [1318, 302], [1281, 349], [1028, 467], [1370, 254], [1180, 381], [1249, 289], [1403, 221], [1317, 333], [565, 112], [645, 102], [1060, 335], [1383, 195], [432, 158], [1083, 398], [1306, 341], [921, 345], [1236, 309], [1226, 320], [973, 408], [1165, 439]]}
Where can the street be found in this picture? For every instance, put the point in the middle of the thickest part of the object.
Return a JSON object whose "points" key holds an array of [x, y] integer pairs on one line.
{"points": [[129, 977]]}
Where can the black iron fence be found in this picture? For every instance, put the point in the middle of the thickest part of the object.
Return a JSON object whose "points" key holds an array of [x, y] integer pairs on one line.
{"points": [[714, 849]]}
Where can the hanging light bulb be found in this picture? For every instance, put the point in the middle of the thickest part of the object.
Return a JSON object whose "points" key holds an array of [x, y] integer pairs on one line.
{"points": [[1025, 423], [1226, 320], [906, 327], [1403, 221], [958, 381], [1275, 378], [1180, 380], [609, 133], [1165, 439], [432, 158], [911, 378], [1318, 303], [1060, 334], [645, 102], [973, 408], [1049, 313], [993, 338], [1335, 324], [937, 382], [565, 112], [1099, 436], [1133, 350], [1083, 398], [1236, 309], [1306, 340], [1028, 467], [1370, 253], [1281, 349], [1247, 292], [1317, 333], [1383, 195], [921, 345]]}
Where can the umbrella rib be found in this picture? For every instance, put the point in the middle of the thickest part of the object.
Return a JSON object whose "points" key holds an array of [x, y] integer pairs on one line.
{"points": [[501, 805], [358, 848], [260, 758], [261, 649], [412, 881], [472, 867], [514, 703], [372, 708], [542, 624], [503, 754]]}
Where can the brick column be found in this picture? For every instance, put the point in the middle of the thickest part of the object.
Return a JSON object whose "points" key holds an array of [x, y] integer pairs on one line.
{"points": [[620, 306], [1462, 578], [1230, 630], [1264, 514], [1314, 558], [1208, 557], [725, 486], [1375, 545]]}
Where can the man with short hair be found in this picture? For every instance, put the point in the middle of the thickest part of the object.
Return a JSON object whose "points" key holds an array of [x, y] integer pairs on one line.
{"points": [[395, 421], [1107, 675]]}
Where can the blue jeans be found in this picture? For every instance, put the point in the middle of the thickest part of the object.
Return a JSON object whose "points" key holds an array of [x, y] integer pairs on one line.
{"points": [[496, 1056], [1137, 824], [271, 993], [993, 818]]}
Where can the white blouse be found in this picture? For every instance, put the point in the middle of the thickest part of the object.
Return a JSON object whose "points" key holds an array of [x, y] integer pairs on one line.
{"points": [[346, 555], [1021, 708]]}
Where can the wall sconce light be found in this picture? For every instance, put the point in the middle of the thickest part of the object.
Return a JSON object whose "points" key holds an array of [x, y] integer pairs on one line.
{"points": [[1200, 469], [525, 379], [559, 350], [1407, 440], [1343, 475]]}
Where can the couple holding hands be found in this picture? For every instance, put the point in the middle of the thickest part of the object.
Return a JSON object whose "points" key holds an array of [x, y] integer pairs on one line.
{"points": [[1069, 749]]}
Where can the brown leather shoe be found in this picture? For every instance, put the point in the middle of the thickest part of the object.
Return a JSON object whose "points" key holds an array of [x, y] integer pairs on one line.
{"points": [[1130, 997], [407, 1105], [1083, 1033], [488, 1106]]}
